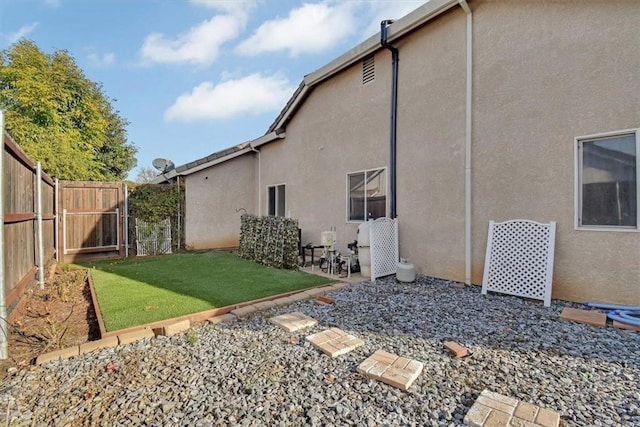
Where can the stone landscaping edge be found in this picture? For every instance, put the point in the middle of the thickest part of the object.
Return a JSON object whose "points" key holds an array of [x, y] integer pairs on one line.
{"points": [[180, 324]]}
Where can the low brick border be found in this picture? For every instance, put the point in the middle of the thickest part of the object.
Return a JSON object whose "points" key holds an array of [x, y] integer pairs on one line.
{"points": [[94, 301], [176, 325]]}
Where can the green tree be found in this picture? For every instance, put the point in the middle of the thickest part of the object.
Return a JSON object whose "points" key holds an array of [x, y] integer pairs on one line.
{"points": [[61, 118]]}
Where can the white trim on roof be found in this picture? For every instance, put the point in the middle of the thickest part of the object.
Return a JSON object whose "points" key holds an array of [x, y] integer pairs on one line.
{"points": [[401, 27], [171, 174], [264, 139]]}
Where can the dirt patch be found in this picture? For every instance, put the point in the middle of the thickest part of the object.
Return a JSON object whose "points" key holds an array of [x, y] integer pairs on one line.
{"points": [[58, 316]]}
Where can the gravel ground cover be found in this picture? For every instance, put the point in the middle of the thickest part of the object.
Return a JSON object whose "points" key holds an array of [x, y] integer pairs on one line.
{"points": [[249, 372]]}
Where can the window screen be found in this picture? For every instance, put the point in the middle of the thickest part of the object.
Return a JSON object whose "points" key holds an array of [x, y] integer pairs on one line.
{"points": [[367, 196], [608, 181]]}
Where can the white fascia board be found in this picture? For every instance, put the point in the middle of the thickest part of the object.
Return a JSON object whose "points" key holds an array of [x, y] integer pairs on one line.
{"points": [[264, 139], [398, 29], [163, 177], [294, 106], [171, 174], [215, 162]]}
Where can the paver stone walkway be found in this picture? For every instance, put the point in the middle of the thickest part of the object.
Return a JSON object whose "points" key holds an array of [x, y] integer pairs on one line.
{"points": [[391, 369], [334, 342], [292, 322], [495, 410]]}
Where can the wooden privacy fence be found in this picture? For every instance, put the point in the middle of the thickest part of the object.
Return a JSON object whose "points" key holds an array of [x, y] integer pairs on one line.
{"points": [[92, 220], [22, 210]]}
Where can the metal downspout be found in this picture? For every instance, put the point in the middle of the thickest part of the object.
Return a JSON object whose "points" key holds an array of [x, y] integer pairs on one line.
{"points": [[467, 146], [255, 150], [4, 332], [394, 113]]}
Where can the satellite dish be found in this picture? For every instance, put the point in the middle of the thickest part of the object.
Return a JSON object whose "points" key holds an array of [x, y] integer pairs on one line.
{"points": [[163, 165]]}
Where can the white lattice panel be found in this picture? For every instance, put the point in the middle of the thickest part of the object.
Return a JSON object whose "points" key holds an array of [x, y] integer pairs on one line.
{"points": [[384, 247], [519, 259], [153, 238]]}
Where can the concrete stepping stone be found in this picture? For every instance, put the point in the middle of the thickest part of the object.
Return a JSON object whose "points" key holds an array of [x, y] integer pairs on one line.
{"points": [[391, 369], [292, 322], [334, 342], [495, 410]]}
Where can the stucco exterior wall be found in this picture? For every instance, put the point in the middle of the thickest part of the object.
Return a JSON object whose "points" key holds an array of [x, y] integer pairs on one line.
{"points": [[545, 73], [431, 135], [212, 197], [342, 127]]}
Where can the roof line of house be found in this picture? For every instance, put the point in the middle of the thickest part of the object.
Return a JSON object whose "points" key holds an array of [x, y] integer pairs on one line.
{"points": [[398, 29], [218, 157]]}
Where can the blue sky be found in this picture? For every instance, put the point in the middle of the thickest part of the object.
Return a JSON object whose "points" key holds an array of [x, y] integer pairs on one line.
{"points": [[196, 76]]}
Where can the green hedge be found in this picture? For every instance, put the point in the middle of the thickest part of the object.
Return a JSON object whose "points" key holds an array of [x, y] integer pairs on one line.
{"points": [[269, 240]]}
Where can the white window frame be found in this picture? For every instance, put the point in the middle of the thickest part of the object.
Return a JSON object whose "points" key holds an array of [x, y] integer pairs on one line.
{"points": [[577, 146], [386, 207], [283, 184]]}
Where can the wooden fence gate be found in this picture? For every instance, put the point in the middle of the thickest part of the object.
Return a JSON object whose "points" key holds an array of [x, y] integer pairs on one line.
{"points": [[91, 220]]}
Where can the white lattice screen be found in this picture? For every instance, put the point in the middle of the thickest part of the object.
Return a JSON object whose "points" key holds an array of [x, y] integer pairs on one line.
{"points": [[519, 259], [153, 238], [384, 247]]}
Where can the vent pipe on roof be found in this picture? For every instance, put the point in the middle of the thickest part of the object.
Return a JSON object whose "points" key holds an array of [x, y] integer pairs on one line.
{"points": [[384, 25]]}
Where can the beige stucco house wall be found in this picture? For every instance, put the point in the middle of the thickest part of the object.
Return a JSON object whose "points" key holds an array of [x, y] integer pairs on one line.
{"points": [[214, 198], [543, 74], [331, 135]]}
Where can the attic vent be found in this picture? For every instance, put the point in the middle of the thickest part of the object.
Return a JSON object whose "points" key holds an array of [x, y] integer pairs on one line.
{"points": [[368, 70]]}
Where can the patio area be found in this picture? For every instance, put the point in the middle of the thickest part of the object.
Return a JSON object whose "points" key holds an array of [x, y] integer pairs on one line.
{"points": [[251, 372]]}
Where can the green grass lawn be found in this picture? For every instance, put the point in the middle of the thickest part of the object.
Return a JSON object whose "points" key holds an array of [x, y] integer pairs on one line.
{"points": [[137, 291]]}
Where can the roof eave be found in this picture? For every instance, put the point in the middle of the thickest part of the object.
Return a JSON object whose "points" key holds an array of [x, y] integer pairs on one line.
{"points": [[214, 159], [270, 137], [188, 171], [398, 29]]}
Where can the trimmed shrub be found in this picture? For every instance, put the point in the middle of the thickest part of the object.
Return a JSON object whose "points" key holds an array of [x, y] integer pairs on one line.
{"points": [[269, 240]]}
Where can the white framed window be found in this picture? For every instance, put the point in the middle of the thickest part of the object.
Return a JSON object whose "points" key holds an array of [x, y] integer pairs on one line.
{"points": [[276, 200], [607, 172], [366, 194]]}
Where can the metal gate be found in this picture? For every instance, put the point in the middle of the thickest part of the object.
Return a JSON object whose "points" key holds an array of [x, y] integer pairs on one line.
{"points": [[91, 220], [153, 238]]}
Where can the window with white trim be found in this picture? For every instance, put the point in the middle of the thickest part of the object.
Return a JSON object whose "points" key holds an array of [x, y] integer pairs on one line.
{"points": [[607, 181], [276, 200], [367, 194]]}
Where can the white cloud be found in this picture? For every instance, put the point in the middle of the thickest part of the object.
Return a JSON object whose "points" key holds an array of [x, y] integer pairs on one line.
{"points": [[102, 60], [253, 94], [23, 31], [200, 45], [379, 10], [233, 7], [310, 28]]}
